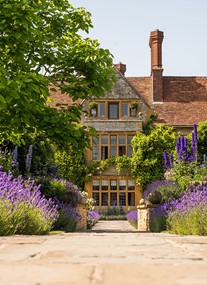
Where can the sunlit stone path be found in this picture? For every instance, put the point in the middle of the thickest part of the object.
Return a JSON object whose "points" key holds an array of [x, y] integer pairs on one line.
{"points": [[110, 253]]}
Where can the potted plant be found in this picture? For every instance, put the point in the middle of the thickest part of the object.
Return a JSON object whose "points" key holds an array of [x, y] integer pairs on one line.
{"points": [[133, 108], [93, 107], [133, 105]]}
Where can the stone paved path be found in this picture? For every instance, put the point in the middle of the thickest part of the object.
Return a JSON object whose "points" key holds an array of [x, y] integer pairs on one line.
{"points": [[111, 253]]}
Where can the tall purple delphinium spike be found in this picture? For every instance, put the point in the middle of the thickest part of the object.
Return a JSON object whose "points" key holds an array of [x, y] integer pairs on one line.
{"points": [[171, 161], [29, 159], [185, 149], [178, 148], [195, 132], [166, 163], [182, 142], [194, 147]]}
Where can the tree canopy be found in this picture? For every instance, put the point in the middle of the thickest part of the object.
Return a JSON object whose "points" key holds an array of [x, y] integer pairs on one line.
{"points": [[41, 43]]}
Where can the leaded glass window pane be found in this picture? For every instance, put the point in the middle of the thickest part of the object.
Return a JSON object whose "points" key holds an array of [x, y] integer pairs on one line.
{"points": [[104, 184], [113, 185], [95, 140], [95, 153], [101, 109], [104, 199], [131, 199], [112, 151], [113, 199], [104, 140], [122, 140], [129, 151], [122, 184], [131, 185], [113, 110], [122, 199], [124, 109], [112, 139], [95, 184], [95, 196], [130, 139]]}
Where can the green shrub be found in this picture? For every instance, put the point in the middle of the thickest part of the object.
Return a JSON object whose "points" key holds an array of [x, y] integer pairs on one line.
{"points": [[22, 219], [193, 222], [147, 156], [158, 223], [71, 166], [184, 172], [6, 159], [66, 222]]}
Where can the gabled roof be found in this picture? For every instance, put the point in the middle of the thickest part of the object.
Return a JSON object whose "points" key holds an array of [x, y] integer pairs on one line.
{"points": [[184, 99]]}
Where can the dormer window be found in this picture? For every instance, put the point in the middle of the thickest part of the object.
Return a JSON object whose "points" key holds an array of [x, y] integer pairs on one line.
{"points": [[113, 110]]}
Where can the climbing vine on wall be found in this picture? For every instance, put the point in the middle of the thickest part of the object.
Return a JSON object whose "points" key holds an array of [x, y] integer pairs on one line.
{"points": [[120, 162]]}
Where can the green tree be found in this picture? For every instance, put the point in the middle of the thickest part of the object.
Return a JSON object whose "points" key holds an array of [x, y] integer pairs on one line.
{"points": [[147, 158], [71, 166], [40, 44]]}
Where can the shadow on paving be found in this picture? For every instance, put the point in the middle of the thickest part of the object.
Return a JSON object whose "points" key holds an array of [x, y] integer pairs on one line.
{"points": [[114, 231], [118, 226]]}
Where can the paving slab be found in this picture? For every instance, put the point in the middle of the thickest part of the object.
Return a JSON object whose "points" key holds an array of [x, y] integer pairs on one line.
{"points": [[113, 252]]}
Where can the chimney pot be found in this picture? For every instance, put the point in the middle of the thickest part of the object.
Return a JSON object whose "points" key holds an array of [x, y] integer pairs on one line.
{"points": [[121, 67], [155, 43]]}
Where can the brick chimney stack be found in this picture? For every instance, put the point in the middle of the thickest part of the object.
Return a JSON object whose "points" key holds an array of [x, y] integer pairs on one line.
{"points": [[155, 43], [121, 67]]}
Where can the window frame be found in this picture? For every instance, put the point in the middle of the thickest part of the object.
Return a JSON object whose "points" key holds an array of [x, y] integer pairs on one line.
{"points": [[101, 149], [128, 195]]}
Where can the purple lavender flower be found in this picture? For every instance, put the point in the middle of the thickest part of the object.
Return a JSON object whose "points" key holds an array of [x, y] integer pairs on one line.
{"points": [[92, 218], [18, 192], [132, 216], [169, 186]]}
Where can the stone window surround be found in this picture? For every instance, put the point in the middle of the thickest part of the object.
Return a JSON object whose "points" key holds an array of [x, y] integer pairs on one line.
{"points": [[124, 111]]}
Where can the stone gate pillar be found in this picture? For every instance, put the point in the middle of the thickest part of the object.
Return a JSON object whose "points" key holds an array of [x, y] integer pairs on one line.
{"points": [[144, 213]]}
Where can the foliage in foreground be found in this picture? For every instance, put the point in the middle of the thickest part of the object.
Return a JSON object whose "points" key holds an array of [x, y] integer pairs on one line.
{"points": [[41, 45], [147, 157], [168, 188], [67, 197], [188, 215], [23, 210], [71, 165]]}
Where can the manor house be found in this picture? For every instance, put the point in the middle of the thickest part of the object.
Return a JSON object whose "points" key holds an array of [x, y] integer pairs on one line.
{"points": [[176, 100]]}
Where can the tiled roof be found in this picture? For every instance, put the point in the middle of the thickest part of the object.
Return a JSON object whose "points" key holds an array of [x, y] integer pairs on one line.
{"points": [[61, 98], [184, 99]]}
